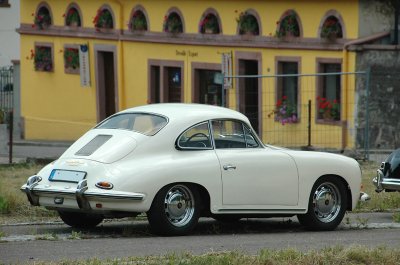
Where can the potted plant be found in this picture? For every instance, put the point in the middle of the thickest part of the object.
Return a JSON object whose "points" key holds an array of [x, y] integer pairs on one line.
{"points": [[288, 26], [103, 19], [285, 111], [173, 23], [247, 24], [328, 109], [43, 59], [72, 18], [209, 25], [71, 59], [331, 29], [42, 19], [138, 21]]}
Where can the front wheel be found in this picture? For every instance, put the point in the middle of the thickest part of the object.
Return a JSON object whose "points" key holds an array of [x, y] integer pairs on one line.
{"points": [[327, 205], [175, 210], [80, 220]]}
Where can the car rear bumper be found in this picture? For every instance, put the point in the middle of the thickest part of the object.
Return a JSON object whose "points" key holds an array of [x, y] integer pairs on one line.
{"points": [[81, 194], [381, 183]]}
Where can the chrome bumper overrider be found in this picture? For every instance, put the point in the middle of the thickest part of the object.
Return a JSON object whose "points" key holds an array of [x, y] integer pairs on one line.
{"points": [[382, 183], [81, 194]]}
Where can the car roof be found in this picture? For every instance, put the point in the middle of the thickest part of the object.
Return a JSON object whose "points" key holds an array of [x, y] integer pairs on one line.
{"points": [[189, 111]]}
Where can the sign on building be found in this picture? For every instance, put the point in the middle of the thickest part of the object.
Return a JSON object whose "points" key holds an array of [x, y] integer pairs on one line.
{"points": [[84, 65], [227, 69]]}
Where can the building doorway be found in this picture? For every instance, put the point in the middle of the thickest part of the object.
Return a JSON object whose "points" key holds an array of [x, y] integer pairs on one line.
{"points": [[249, 92], [106, 84]]}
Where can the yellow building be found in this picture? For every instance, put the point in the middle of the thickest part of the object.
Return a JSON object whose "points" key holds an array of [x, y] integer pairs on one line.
{"points": [[150, 51]]}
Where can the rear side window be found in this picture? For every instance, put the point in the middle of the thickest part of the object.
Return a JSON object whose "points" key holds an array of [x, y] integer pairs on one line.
{"points": [[144, 123], [196, 137]]}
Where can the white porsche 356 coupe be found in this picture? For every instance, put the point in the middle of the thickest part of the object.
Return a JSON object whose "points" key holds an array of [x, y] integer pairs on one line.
{"points": [[177, 162]]}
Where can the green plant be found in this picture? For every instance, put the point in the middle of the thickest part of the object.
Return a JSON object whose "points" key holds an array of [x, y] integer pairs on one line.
{"points": [[138, 21], [331, 29], [285, 111], [173, 23], [4, 205], [396, 217], [209, 24], [43, 59], [75, 235], [288, 26], [103, 19], [247, 23], [328, 109], [72, 17], [42, 19], [71, 58]]}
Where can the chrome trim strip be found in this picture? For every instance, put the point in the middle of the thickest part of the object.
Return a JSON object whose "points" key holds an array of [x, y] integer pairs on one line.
{"points": [[138, 197], [115, 196], [265, 210]]}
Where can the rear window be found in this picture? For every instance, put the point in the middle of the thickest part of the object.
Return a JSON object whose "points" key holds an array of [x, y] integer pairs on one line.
{"points": [[144, 123]]}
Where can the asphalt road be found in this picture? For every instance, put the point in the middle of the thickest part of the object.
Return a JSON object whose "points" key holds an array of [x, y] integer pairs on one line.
{"points": [[117, 239]]}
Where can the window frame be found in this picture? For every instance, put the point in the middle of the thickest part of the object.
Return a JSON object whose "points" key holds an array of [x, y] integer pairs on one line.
{"points": [[69, 70], [279, 87], [320, 89], [5, 3]]}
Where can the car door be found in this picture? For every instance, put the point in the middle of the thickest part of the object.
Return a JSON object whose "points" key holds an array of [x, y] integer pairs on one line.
{"points": [[252, 175]]}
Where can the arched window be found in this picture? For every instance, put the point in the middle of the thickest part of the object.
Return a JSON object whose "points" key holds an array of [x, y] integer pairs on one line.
{"points": [[173, 23], [42, 18], [138, 20], [104, 18], [248, 23], [288, 25], [73, 16], [209, 23], [331, 28]]}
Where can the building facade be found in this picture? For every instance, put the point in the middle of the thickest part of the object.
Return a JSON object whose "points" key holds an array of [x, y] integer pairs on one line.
{"points": [[9, 38], [140, 52]]}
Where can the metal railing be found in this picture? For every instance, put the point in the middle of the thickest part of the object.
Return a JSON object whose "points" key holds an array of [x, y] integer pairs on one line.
{"points": [[309, 129]]}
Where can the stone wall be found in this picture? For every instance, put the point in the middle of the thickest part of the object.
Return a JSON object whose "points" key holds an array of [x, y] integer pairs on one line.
{"points": [[384, 99], [375, 16]]}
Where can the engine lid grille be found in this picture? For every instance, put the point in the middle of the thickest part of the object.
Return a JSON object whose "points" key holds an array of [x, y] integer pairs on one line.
{"points": [[93, 145]]}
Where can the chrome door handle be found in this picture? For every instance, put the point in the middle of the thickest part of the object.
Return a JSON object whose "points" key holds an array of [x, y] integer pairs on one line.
{"points": [[227, 167]]}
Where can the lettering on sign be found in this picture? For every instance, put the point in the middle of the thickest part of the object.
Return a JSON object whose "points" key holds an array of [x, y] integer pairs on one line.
{"points": [[186, 53], [84, 65]]}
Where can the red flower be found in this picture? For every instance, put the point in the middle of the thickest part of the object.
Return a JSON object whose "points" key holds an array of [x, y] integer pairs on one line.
{"points": [[279, 103], [284, 97]]}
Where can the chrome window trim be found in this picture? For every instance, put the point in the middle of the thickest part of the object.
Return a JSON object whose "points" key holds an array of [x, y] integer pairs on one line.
{"points": [[183, 148]]}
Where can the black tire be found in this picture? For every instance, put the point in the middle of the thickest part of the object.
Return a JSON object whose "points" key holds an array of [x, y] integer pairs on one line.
{"points": [[327, 205], [175, 210], [80, 220]]}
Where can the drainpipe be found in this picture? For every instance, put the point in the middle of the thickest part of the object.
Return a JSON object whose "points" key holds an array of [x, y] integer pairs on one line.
{"points": [[121, 70], [396, 23]]}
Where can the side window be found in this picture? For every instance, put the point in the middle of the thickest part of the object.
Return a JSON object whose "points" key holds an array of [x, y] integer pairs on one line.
{"points": [[228, 134], [196, 137]]}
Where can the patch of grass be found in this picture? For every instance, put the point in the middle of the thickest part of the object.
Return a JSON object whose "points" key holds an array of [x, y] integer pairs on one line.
{"points": [[396, 217], [14, 206], [75, 235], [51, 237], [333, 256], [383, 201]]}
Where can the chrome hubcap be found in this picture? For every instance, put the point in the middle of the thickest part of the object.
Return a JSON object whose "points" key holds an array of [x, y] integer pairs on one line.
{"points": [[179, 205], [326, 202]]}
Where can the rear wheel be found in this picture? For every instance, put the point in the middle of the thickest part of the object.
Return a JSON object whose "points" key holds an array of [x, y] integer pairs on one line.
{"points": [[327, 205], [175, 210], [80, 220]]}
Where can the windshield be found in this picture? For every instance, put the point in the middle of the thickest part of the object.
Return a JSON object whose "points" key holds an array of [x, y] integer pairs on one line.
{"points": [[144, 123]]}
